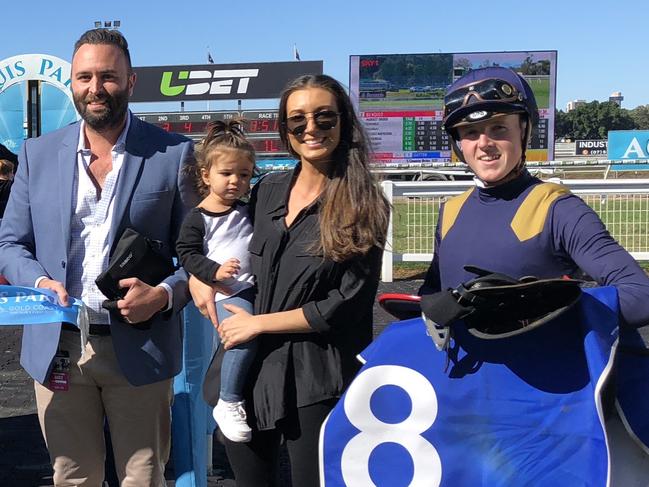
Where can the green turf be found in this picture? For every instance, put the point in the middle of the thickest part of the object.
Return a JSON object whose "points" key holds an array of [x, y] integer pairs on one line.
{"points": [[622, 218], [541, 89], [404, 98], [429, 104]]}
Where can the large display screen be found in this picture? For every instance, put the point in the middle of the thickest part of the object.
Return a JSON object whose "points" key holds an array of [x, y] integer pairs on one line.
{"points": [[400, 100]]}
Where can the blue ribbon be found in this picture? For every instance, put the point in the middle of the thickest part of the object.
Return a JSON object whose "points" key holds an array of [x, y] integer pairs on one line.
{"points": [[35, 306]]}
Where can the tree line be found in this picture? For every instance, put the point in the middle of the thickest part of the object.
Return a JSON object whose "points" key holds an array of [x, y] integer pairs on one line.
{"points": [[594, 120]]}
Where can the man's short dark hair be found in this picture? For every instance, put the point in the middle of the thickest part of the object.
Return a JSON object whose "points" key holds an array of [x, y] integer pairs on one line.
{"points": [[105, 36]]}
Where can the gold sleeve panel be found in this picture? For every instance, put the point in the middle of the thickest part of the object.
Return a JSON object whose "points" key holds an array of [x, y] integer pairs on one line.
{"points": [[452, 209], [531, 215]]}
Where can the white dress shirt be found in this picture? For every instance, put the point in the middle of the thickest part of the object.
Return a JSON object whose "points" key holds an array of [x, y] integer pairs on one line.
{"points": [[90, 225]]}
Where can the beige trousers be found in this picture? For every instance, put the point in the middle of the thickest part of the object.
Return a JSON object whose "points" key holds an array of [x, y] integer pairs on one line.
{"points": [[72, 421]]}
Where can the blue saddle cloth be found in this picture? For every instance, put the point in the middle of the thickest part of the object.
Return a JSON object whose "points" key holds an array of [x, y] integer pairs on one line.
{"points": [[526, 410]]}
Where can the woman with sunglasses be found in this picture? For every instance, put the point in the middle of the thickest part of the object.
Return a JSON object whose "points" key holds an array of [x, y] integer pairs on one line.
{"points": [[316, 253]]}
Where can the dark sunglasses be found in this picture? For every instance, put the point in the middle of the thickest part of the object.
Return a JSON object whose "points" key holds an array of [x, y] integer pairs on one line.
{"points": [[324, 120], [486, 90]]}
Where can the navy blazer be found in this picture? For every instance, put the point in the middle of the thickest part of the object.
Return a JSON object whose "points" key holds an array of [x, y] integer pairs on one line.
{"points": [[153, 195]]}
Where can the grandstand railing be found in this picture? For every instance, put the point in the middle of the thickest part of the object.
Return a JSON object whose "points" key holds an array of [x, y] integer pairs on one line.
{"points": [[622, 204]]}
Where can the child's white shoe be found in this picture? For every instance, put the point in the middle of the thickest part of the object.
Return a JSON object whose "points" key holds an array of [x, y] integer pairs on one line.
{"points": [[231, 418]]}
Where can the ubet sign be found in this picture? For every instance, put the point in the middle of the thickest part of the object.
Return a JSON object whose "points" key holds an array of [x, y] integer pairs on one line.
{"points": [[202, 82], [218, 81]]}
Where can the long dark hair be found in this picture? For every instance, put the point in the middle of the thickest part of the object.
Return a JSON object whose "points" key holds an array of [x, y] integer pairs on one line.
{"points": [[354, 212]]}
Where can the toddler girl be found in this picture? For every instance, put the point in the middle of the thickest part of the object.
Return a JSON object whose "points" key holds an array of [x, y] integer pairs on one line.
{"points": [[213, 246]]}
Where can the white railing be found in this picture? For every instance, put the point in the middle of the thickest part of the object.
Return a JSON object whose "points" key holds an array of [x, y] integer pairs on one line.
{"points": [[622, 204]]}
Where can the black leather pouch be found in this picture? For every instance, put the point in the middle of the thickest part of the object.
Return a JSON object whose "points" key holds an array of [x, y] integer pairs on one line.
{"points": [[134, 255]]}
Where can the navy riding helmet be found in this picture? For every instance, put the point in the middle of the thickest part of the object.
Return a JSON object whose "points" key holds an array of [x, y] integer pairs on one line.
{"points": [[485, 93]]}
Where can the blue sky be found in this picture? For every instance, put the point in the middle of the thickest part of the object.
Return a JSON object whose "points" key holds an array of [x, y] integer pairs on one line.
{"points": [[602, 46]]}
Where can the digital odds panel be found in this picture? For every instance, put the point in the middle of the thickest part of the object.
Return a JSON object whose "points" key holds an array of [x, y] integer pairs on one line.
{"points": [[261, 126], [400, 99]]}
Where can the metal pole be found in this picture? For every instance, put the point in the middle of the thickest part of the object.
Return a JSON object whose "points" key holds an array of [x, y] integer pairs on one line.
{"points": [[33, 108], [388, 253]]}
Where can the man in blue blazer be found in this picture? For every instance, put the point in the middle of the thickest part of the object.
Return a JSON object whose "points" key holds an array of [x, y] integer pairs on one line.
{"points": [[76, 191]]}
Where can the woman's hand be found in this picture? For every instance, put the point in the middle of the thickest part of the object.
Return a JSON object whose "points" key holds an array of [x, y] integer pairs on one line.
{"points": [[238, 328], [203, 296]]}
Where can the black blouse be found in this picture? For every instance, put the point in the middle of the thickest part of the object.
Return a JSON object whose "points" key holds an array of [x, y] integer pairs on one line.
{"points": [[298, 369]]}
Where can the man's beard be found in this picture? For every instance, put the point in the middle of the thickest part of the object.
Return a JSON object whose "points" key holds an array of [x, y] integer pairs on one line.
{"points": [[114, 112]]}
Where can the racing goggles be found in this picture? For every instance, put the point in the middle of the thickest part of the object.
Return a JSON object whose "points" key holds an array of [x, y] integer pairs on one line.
{"points": [[487, 90], [324, 120]]}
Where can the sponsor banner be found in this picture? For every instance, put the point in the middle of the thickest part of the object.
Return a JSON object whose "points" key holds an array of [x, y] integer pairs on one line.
{"points": [[218, 81], [522, 410], [42, 67], [591, 147], [32, 306], [629, 145]]}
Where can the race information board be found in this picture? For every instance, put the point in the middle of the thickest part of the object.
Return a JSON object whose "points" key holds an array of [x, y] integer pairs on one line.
{"points": [[400, 100], [191, 124], [262, 128]]}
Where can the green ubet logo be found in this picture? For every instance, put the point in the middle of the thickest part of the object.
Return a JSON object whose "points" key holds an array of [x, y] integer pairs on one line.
{"points": [[202, 82]]}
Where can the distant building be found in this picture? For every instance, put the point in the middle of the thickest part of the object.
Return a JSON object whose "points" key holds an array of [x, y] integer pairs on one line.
{"points": [[616, 97], [574, 104]]}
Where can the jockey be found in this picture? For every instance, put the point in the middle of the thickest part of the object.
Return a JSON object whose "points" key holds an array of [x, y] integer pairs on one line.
{"points": [[526, 227]]}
